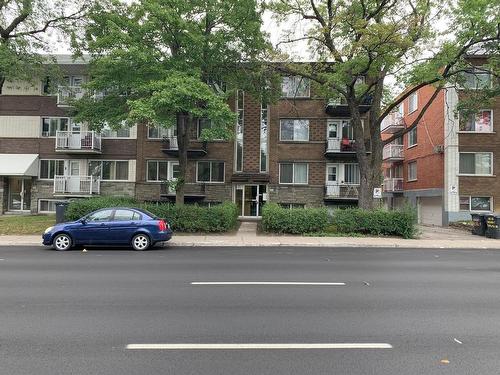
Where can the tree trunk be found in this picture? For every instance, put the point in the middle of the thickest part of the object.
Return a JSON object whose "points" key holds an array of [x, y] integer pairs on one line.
{"points": [[2, 81], [183, 125]]}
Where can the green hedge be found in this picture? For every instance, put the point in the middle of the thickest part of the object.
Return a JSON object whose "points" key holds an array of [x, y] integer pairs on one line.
{"points": [[296, 220], [397, 222], [187, 218]]}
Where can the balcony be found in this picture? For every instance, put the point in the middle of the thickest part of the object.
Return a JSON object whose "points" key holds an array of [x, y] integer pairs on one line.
{"points": [[340, 148], [171, 147], [393, 152], [393, 123], [83, 142], [67, 93], [336, 191], [76, 185], [339, 108], [393, 185]]}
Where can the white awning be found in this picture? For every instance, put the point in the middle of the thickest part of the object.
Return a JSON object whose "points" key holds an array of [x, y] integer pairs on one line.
{"points": [[18, 164]]}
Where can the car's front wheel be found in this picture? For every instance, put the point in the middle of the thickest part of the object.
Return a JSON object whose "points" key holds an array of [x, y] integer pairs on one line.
{"points": [[62, 242], [140, 242]]}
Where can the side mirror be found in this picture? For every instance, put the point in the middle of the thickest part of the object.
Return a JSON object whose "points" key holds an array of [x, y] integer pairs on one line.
{"points": [[83, 221]]}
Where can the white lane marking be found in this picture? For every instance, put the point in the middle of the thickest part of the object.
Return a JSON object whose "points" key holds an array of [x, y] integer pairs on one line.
{"points": [[263, 283], [457, 341], [258, 346]]}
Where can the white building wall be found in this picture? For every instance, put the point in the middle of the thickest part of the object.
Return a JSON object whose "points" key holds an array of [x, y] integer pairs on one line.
{"points": [[20, 126], [21, 88]]}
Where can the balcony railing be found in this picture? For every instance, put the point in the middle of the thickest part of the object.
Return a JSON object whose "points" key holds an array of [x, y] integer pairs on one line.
{"points": [[172, 143], [83, 141], [340, 145], [393, 152], [392, 123], [78, 185], [393, 184], [336, 190], [67, 93]]}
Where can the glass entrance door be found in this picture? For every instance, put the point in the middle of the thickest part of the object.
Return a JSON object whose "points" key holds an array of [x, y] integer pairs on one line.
{"points": [[250, 199], [19, 194]]}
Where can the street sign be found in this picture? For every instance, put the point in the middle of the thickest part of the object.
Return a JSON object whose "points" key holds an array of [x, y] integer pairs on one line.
{"points": [[377, 193]]}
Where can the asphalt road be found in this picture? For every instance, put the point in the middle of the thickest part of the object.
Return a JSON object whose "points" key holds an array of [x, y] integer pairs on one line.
{"points": [[75, 312]]}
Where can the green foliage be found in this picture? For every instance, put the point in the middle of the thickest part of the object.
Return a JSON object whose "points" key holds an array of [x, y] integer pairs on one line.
{"points": [[376, 222], [296, 220], [186, 218]]}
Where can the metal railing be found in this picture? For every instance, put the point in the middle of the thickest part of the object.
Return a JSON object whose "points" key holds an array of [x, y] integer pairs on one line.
{"points": [[392, 120], [172, 143], [392, 151], [340, 145], [393, 184], [78, 140], [339, 190], [66, 93], [87, 185]]}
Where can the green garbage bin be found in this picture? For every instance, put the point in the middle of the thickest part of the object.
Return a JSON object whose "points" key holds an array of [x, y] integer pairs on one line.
{"points": [[493, 225], [479, 224]]}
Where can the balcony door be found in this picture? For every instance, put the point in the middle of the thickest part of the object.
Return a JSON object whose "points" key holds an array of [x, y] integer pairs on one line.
{"points": [[74, 176], [19, 194], [333, 136], [332, 180]]}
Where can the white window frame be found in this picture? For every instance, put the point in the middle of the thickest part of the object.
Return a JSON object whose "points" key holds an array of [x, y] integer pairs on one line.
{"points": [[293, 174], [415, 96], [286, 96], [474, 71], [295, 140], [475, 131], [163, 132], [49, 200], [170, 169], [408, 177], [101, 161], [469, 197], [210, 181], [40, 169], [414, 130], [59, 124], [477, 174], [114, 132]]}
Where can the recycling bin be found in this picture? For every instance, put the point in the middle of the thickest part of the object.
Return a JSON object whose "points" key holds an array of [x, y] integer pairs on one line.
{"points": [[61, 211], [479, 222], [493, 225]]}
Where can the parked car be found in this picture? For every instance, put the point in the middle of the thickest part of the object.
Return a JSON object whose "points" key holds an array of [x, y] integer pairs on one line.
{"points": [[110, 226]]}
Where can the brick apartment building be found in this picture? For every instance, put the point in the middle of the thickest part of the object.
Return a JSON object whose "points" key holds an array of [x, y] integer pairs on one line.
{"points": [[297, 152], [447, 166]]}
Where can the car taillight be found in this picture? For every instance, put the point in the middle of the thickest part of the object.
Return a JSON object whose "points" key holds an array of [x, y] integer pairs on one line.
{"points": [[162, 225]]}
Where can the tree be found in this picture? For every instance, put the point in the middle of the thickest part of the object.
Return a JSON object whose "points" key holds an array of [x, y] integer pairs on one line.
{"points": [[376, 39], [169, 62], [24, 34]]}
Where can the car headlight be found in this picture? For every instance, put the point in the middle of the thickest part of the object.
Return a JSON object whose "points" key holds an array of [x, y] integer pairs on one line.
{"points": [[48, 229]]}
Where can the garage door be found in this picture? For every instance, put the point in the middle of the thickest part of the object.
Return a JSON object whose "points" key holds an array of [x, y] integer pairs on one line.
{"points": [[431, 211]]}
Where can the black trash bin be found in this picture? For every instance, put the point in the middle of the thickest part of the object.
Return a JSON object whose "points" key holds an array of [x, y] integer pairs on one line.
{"points": [[493, 225], [60, 211], [479, 221]]}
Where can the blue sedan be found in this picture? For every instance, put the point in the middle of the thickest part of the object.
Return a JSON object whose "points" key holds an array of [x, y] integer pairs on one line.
{"points": [[110, 226]]}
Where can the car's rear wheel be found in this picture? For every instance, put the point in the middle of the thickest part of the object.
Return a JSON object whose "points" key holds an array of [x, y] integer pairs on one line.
{"points": [[62, 242], [141, 242]]}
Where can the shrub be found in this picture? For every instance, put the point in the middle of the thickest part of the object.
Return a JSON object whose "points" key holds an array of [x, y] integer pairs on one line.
{"points": [[187, 218], [397, 222], [296, 220]]}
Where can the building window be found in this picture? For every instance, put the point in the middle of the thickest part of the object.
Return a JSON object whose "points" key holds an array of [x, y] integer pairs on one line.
{"points": [[476, 163], [412, 102], [475, 203], [481, 122], [240, 98], [412, 171], [210, 171], [159, 132], [208, 204], [108, 132], [294, 130], [263, 136], [109, 170], [290, 206], [412, 137], [401, 109], [160, 170], [295, 87], [51, 168], [351, 174], [50, 125], [477, 78], [48, 205], [293, 173]]}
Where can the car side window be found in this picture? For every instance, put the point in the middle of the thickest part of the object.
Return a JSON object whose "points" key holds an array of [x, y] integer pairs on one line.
{"points": [[99, 216], [126, 215]]}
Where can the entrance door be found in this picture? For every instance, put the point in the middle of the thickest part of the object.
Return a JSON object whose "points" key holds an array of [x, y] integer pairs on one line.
{"points": [[250, 199], [19, 194]]}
